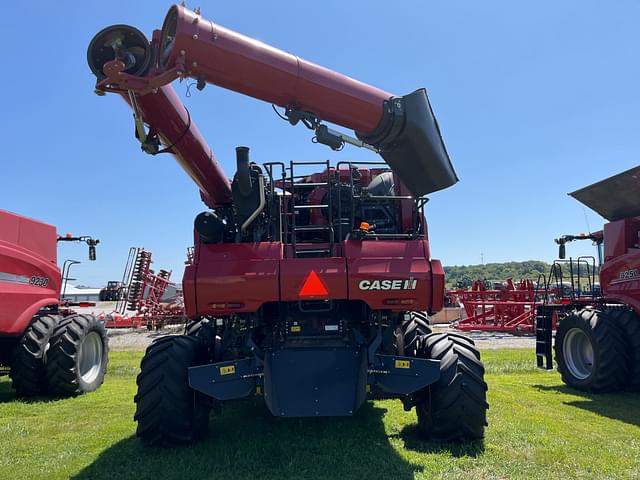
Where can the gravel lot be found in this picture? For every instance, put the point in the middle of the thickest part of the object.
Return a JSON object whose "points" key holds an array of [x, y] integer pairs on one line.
{"points": [[128, 338], [494, 340]]}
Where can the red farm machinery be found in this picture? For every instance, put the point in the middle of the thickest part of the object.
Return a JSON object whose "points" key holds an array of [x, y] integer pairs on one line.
{"points": [[112, 292], [47, 347], [308, 291], [142, 294], [508, 307], [597, 343]]}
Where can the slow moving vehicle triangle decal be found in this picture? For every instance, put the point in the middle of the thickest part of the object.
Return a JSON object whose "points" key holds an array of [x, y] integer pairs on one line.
{"points": [[313, 286]]}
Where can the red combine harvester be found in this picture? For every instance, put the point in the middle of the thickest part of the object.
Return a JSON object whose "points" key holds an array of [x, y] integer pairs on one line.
{"points": [[509, 309], [47, 347], [597, 344], [309, 291]]}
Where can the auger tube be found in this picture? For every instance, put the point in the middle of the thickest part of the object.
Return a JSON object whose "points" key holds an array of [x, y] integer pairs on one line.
{"points": [[165, 113], [403, 129]]}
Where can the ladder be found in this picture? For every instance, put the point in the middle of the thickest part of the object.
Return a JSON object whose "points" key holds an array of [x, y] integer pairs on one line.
{"points": [[544, 347], [303, 249]]}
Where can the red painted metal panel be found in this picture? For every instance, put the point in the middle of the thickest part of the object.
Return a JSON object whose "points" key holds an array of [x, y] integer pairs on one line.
{"points": [[189, 291], [620, 279], [391, 275], [32, 235], [27, 310], [29, 276], [401, 270], [620, 273], [620, 236], [437, 286], [233, 278], [332, 272]]}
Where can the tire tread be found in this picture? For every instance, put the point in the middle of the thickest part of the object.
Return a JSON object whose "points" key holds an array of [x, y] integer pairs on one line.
{"points": [[168, 411], [455, 407], [28, 373], [63, 377]]}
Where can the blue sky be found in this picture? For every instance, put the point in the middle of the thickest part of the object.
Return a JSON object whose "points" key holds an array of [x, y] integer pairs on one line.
{"points": [[534, 99]]}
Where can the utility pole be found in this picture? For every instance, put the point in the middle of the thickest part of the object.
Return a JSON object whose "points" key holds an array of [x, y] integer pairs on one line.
{"points": [[481, 258]]}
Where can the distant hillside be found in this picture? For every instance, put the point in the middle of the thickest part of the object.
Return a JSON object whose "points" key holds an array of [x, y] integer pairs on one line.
{"points": [[464, 275]]}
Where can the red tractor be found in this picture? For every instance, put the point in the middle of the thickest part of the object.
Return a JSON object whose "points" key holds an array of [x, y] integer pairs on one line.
{"points": [[597, 345], [112, 292], [309, 291], [48, 348]]}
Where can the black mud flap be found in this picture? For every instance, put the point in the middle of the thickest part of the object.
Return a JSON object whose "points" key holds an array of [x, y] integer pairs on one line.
{"points": [[403, 375], [315, 382], [226, 380]]}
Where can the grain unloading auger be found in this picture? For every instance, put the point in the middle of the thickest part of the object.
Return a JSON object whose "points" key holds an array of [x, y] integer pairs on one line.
{"points": [[402, 129], [312, 291]]}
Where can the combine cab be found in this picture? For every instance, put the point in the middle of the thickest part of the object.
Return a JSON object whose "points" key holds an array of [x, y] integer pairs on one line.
{"points": [[310, 291], [597, 345]]}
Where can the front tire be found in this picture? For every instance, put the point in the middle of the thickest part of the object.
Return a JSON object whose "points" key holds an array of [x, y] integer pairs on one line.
{"points": [[28, 373], [168, 411], [591, 351], [77, 356], [455, 407]]}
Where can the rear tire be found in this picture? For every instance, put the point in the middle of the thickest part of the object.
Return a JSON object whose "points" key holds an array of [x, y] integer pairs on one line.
{"points": [[455, 407], [424, 316], [410, 334], [28, 372], [78, 355], [629, 323], [203, 329], [591, 351], [168, 411]]}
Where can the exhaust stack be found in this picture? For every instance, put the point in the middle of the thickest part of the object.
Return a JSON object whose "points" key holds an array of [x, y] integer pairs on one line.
{"points": [[243, 176]]}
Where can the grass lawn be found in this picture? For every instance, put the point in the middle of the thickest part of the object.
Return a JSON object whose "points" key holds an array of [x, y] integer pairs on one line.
{"points": [[537, 429]]}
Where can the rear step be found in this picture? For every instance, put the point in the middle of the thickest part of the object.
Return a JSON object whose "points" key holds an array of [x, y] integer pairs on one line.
{"points": [[306, 207], [323, 252], [312, 228], [544, 340]]}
